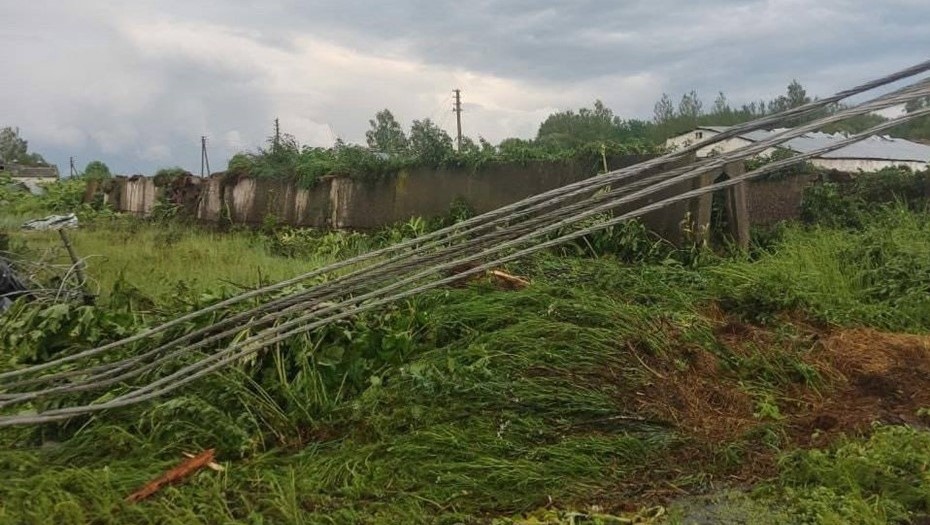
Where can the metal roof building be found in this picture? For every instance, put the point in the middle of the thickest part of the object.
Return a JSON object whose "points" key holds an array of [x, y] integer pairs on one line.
{"points": [[871, 154]]}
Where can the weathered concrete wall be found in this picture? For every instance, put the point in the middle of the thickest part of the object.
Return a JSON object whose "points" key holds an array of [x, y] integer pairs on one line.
{"points": [[679, 220], [251, 201], [431, 192], [375, 202], [136, 194], [772, 201]]}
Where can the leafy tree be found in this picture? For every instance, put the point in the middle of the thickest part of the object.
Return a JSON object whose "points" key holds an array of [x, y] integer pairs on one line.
{"points": [[690, 106], [386, 134], [795, 96], [96, 170], [853, 125], [598, 124], [14, 148], [469, 146], [754, 110], [166, 176], [690, 113], [486, 147], [721, 107], [567, 129], [513, 144], [664, 110], [430, 143], [917, 129]]}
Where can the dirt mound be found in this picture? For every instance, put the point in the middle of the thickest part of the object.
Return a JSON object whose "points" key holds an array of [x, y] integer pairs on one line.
{"points": [[699, 401], [825, 382], [873, 377], [863, 377]]}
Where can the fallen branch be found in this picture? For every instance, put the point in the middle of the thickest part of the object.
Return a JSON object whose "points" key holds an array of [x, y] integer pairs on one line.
{"points": [[511, 281], [178, 473], [211, 465]]}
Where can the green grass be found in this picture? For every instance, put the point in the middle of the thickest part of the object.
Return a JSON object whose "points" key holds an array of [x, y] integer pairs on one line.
{"points": [[466, 405], [157, 259], [489, 421], [882, 479], [879, 275]]}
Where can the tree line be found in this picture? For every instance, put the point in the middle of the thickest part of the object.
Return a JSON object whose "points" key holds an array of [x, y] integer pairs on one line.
{"points": [[588, 133], [580, 129]]}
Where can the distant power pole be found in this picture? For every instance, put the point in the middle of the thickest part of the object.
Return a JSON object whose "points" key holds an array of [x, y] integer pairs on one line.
{"points": [[74, 171], [277, 136], [458, 117], [204, 159]]}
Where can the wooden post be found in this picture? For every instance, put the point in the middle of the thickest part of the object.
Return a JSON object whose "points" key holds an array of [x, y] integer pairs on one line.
{"points": [[700, 209], [737, 207], [78, 266]]}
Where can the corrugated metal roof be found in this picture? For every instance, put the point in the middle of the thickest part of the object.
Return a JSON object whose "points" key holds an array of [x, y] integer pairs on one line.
{"points": [[875, 147]]}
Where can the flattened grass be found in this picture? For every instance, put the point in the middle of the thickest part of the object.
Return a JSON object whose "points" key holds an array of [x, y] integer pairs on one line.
{"points": [[475, 403]]}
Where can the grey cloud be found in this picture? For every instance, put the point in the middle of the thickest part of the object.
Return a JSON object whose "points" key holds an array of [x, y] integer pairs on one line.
{"points": [[78, 81]]}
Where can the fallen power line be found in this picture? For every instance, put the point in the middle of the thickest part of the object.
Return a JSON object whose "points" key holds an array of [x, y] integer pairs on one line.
{"points": [[381, 277]]}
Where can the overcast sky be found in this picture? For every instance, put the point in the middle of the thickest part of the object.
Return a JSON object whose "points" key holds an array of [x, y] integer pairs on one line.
{"points": [[136, 84]]}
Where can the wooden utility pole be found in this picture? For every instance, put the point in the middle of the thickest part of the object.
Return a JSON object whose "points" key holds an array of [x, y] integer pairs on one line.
{"points": [[458, 117], [204, 159], [277, 136]]}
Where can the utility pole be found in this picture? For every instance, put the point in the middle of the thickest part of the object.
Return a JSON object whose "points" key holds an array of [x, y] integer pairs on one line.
{"points": [[277, 136], [458, 117], [73, 169], [204, 159]]}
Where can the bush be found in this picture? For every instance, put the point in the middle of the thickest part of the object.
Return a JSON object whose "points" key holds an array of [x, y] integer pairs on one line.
{"points": [[96, 170], [879, 275], [167, 176], [848, 205]]}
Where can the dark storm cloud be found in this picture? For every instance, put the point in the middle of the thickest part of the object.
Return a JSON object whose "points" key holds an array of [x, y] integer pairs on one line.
{"points": [[137, 83], [559, 41]]}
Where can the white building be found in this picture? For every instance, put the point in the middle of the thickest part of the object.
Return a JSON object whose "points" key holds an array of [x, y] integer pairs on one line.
{"points": [[871, 154]]}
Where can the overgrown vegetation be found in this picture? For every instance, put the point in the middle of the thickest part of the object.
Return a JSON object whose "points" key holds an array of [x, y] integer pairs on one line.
{"points": [[64, 196], [850, 203], [428, 146], [629, 374]]}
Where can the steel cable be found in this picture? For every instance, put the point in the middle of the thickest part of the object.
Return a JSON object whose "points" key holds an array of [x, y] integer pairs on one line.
{"points": [[670, 178]]}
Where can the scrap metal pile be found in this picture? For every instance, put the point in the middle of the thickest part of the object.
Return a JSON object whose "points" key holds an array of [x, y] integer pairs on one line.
{"points": [[21, 278], [163, 359]]}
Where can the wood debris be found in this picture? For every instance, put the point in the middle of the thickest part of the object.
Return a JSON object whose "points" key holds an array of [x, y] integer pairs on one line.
{"points": [[175, 475], [211, 465], [511, 281]]}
